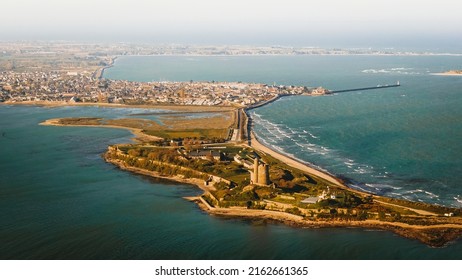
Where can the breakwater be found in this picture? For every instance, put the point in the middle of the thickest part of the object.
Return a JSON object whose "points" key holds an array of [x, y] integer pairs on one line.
{"points": [[365, 88], [99, 73]]}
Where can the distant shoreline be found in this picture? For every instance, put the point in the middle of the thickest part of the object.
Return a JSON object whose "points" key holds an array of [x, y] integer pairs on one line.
{"points": [[289, 54], [447, 74]]}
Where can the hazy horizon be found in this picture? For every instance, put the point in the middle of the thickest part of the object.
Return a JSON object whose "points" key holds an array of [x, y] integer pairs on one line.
{"points": [[432, 25]]}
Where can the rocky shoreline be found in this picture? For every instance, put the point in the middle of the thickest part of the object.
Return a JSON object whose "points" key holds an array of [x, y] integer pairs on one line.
{"points": [[437, 235]]}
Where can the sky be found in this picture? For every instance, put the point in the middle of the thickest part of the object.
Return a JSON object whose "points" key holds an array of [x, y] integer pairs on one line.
{"points": [[334, 23]]}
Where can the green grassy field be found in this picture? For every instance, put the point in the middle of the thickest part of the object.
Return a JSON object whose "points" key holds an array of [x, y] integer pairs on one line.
{"points": [[190, 133]]}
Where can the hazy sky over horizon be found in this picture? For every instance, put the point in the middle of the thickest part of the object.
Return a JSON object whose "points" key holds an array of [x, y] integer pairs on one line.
{"points": [[391, 23]]}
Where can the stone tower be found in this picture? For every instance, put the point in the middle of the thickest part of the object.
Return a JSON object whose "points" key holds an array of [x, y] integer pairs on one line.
{"points": [[260, 173], [263, 174], [254, 173]]}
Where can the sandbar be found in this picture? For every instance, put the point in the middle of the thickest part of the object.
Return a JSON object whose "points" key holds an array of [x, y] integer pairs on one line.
{"points": [[138, 133]]}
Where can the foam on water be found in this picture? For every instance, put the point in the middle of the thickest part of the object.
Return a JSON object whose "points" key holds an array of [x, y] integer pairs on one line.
{"points": [[394, 71], [279, 136], [458, 199]]}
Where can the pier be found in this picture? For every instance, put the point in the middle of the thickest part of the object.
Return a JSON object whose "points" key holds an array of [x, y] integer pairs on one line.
{"points": [[365, 88]]}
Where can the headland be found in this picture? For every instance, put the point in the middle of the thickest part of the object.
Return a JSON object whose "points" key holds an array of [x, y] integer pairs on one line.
{"points": [[239, 175], [293, 193]]}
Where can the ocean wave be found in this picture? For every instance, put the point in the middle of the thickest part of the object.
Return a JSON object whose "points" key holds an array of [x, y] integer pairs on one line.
{"points": [[285, 138], [283, 151], [362, 170], [398, 70], [255, 114], [316, 149], [420, 191], [383, 186], [458, 199], [312, 136], [358, 187], [325, 149]]}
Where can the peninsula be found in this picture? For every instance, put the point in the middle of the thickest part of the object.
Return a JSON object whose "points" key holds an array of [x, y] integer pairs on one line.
{"points": [[216, 149], [242, 178]]}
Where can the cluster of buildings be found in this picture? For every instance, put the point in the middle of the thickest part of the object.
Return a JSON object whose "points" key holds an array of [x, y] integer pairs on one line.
{"points": [[50, 86], [83, 87], [326, 194], [259, 170], [205, 155]]}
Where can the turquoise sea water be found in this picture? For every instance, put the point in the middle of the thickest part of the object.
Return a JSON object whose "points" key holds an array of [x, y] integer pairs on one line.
{"points": [[60, 200]]}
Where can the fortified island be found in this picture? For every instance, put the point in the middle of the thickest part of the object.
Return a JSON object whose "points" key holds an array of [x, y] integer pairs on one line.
{"points": [[219, 153]]}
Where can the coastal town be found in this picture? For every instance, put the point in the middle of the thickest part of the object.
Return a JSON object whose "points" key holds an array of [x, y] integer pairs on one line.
{"points": [[73, 87], [69, 72]]}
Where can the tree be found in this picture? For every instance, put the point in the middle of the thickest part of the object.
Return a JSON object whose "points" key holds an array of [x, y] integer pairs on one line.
{"points": [[362, 216], [397, 216], [282, 183], [134, 153], [249, 204], [382, 215]]}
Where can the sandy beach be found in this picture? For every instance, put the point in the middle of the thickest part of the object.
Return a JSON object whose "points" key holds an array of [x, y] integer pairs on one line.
{"points": [[138, 133], [447, 74], [294, 163]]}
